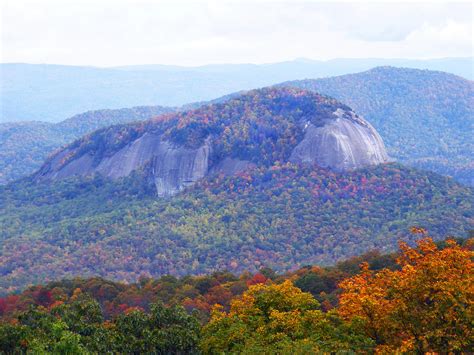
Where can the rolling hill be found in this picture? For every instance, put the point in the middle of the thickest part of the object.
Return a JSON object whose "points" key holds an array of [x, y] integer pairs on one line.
{"points": [[281, 217]]}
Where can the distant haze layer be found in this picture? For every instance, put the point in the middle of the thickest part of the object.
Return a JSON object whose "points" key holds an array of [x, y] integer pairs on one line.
{"points": [[37, 92]]}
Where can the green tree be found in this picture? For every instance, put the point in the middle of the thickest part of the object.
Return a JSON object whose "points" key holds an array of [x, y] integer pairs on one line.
{"points": [[279, 318], [165, 330], [11, 336], [84, 317]]}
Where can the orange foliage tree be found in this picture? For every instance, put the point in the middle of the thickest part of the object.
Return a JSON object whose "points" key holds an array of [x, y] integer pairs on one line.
{"points": [[425, 306]]}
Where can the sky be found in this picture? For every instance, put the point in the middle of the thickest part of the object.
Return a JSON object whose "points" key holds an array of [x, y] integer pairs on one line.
{"points": [[126, 32]]}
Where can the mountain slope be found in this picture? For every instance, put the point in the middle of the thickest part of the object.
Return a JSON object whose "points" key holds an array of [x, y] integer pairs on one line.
{"points": [[24, 146], [52, 92], [279, 216], [243, 189], [426, 118], [257, 128]]}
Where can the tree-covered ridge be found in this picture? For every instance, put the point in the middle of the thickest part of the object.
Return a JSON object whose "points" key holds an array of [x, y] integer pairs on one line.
{"points": [[24, 146], [282, 216], [418, 300], [261, 125], [426, 118], [195, 293]]}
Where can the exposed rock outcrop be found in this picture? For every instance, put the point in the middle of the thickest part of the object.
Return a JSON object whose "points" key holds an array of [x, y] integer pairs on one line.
{"points": [[347, 142], [258, 128], [173, 167]]}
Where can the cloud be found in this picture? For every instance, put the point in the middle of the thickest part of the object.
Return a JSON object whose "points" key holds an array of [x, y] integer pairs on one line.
{"points": [[106, 32], [394, 22], [451, 37]]}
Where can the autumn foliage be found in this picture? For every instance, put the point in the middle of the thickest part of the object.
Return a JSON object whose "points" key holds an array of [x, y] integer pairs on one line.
{"points": [[278, 318], [426, 306], [419, 300]]}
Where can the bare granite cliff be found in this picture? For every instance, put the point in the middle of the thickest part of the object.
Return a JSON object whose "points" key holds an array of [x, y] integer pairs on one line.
{"points": [[177, 152], [344, 143], [172, 167], [175, 168]]}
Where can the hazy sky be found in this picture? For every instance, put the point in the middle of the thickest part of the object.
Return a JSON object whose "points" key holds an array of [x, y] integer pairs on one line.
{"points": [[119, 32]]}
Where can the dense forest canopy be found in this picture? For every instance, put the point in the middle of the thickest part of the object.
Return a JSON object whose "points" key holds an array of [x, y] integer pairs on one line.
{"points": [[417, 300], [282, 216]]}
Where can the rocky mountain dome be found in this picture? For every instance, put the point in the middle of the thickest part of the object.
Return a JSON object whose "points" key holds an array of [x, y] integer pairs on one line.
{"points": [[260, 127], [426, 118]]}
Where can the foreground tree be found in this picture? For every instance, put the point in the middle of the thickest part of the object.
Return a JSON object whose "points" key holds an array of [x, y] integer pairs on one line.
{"points": [[78, 328], [426, 306], [39, 332], [165, 330], [280, 318]]}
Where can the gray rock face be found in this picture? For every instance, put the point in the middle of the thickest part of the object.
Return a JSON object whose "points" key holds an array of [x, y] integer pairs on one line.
{"points": [[345, 143], [173, 168], [122, 163], [342, 142]]}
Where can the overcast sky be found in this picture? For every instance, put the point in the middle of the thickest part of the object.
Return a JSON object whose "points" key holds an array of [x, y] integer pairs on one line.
{"points": [[121, 32]]}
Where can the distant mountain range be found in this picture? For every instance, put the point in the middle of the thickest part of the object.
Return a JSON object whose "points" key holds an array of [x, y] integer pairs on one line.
{"points": [[425, 118], [52, 92]]}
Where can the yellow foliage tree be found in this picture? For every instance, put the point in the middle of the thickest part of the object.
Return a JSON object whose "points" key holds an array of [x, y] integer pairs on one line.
{"points": [[278, 318]]}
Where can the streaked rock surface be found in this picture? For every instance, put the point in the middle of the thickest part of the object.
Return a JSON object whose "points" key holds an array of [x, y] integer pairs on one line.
{"points": [[347, 142], [330, 135]]}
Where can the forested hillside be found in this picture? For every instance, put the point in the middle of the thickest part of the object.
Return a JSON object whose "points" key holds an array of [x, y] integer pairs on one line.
{"points": [[280, 216], [24, 146], [275, 211], [358, 305], [425, 118]]}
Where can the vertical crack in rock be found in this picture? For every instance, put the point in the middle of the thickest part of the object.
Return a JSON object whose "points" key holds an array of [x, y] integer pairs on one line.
{"points": [[176, 168]]}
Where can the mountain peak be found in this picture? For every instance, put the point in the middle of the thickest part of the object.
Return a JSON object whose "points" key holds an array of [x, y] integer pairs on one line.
{"points": [[257, 128]]}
